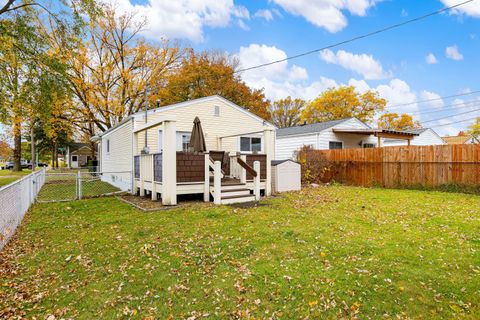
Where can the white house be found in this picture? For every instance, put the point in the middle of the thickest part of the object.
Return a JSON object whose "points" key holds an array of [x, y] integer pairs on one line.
{"points": [[346, 134], [321, 136], [426, 137], [153, 148]]}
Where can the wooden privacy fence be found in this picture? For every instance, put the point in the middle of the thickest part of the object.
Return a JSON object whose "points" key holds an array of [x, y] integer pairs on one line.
{"points": [[400, 166]]}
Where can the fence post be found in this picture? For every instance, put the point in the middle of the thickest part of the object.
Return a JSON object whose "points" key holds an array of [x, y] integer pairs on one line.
{"points": [[256, 180], [79, 185]]}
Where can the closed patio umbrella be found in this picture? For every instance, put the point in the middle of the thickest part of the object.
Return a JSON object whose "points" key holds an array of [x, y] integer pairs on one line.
{"points": [[197, 140]]}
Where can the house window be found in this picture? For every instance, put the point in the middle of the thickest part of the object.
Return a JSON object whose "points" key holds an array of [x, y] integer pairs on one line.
{"points": [[183, 139], [250, 144], [185, 142], [74, 158], [217, 111], [368, 145], [108, 145], [335, 145]]}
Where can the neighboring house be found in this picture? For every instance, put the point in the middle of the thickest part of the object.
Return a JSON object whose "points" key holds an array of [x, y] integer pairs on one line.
{"points": [[321, 136], [78, 154], [155, 151], [465, 139], [426, 137]]}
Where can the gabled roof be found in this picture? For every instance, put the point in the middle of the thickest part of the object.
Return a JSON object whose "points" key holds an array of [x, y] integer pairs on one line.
{"points": [[198, 100], [456, 139], [184, 104], [309, 128], [74, 146]]}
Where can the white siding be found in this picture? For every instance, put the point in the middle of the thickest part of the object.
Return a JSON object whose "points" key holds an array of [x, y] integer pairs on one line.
{"points": [[286, 146], [119, 158], [230, 121], [426, 138], [286, 176]]}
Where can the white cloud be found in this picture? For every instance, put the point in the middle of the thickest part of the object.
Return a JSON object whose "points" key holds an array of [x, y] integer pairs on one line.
{"points": [[431, 59], [453, 53], [265, 14], [279, 80], [183, 19], [362, 64], [435, 100], [404, 13], [471, 9], [328, 14]]}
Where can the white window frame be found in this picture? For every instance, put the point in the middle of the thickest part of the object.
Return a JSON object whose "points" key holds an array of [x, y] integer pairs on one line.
{"points": [[107, 149], [216, 111], [373, 145], [250, 151], [181, 135], [341, 142], [76, 160]]}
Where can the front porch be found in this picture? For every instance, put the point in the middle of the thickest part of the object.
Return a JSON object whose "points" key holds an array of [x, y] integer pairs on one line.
{"points": [[222, 176]]}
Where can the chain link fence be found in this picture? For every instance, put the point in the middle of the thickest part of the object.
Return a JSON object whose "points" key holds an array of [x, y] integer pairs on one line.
{"points": [[82, 184], [15, 199]]}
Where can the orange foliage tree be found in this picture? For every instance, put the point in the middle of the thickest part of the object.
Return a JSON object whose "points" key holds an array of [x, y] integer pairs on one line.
{"points": [[395, 121], [286, 112], [210, 73], [344, 102]]}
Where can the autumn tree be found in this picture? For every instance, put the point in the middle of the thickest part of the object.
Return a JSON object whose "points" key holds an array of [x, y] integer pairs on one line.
{"points": [[344, 102], [212, 73], [286, 112], [394, 121], [112, 67], [474, 128], [6, 150]]}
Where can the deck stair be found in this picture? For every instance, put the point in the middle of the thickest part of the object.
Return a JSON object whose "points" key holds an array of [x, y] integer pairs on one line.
{"points": [[232, 191]]}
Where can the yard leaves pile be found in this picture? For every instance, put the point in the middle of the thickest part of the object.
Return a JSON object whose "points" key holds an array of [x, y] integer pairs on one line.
{"points": [[326, 252]]}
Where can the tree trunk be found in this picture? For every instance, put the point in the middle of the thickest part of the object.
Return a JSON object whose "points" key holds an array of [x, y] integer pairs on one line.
{"points": [[33, 146], [17, 151], [55, 155]]}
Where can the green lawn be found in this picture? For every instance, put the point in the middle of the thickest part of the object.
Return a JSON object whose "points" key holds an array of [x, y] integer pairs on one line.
{"points": [[8, 176], [330, 252]]}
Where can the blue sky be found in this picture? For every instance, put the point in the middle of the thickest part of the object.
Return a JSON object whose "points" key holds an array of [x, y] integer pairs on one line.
{"points": [[426, 60]]}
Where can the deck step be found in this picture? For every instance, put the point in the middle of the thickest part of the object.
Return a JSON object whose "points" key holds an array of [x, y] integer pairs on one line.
{"points": [[235, 192], [237, 199]]}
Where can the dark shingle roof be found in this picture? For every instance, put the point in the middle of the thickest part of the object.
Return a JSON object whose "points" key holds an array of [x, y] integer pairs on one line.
{"points": [[309, 128]]}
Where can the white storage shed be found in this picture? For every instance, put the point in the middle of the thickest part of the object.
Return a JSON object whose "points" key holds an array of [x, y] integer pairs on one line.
{"points": [[286, 175]]}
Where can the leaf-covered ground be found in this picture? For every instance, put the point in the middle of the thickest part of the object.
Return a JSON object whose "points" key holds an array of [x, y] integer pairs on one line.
{"points": [[329, 252]]}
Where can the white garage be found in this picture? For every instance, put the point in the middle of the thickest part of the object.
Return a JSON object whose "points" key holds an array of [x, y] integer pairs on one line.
{"points": [[286, 175]]}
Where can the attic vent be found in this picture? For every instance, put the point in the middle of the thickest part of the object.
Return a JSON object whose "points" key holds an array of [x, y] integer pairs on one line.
{"points": [[217, 111]]}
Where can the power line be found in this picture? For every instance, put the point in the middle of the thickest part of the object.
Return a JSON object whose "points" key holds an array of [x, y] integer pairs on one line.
{"points": [[458, 114], [454, 106], [450, 123], [435, 99], [357, 37]]}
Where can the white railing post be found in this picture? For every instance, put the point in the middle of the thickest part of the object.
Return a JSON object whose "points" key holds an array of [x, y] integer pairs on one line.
{"points": [[206, 188], [169, 163], [79, 185], [154, 186], [243, 172], [217, 182], [269, 147], [256, 180]]}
